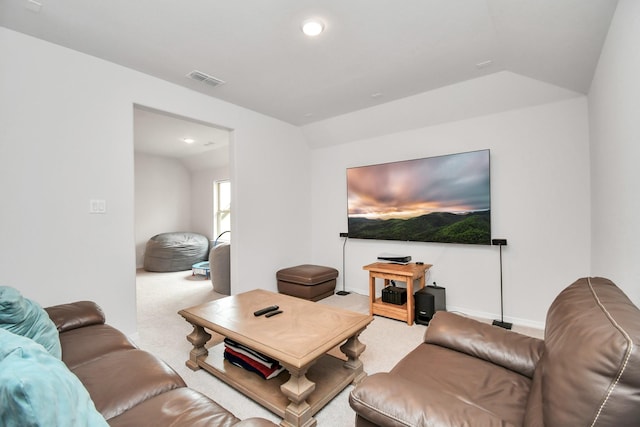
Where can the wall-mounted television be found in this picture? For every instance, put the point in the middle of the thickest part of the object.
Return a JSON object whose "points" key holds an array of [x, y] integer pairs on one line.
{"points": [[445, 199]]}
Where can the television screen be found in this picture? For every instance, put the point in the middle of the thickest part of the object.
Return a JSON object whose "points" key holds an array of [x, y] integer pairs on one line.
{"points": [[444, 199]]}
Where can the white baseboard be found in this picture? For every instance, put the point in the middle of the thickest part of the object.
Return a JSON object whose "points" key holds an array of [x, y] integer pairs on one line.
{"points": [[474, 313], [485, 315]]}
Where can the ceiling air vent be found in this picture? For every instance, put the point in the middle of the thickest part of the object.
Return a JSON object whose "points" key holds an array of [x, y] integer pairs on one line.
{"points": [[204, 78]]}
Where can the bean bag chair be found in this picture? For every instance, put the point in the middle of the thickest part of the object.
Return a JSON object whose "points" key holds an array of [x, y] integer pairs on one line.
{"points": [[175, 251]]}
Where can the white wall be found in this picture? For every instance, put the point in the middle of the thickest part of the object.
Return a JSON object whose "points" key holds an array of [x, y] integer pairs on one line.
{"points": [[269, 190], [540, 203], [67, 137], [163, 199], [614, 116]]}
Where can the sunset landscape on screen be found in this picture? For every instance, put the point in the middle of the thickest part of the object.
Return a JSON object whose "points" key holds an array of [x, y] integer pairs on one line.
{"points": [[441, 199]]}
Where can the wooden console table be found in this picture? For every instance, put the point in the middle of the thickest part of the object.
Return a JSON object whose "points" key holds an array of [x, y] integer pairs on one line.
{"points": [[402, 273]]}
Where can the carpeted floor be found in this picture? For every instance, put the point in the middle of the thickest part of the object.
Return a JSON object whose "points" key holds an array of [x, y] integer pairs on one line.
{"points": [[162, 332]]}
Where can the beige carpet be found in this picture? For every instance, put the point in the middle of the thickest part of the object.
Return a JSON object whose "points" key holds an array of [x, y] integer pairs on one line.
{"points": [[163, 332]]}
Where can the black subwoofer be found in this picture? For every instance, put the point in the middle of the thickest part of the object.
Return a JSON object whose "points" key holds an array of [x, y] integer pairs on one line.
{"points": [[427, 301], [425, 307]]}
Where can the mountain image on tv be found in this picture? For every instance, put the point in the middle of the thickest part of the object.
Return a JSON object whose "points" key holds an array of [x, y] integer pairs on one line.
{"points": [[445, 199]]}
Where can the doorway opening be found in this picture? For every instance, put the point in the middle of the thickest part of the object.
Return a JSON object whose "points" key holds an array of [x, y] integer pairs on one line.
{"points": [[177, 160]]}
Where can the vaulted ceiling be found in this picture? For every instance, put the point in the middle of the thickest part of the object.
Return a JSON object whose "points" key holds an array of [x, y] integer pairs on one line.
{"points": [[371, 52]]}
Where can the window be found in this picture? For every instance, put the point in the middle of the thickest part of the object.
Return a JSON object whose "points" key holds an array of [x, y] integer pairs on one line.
{"points": [[222, 208]]}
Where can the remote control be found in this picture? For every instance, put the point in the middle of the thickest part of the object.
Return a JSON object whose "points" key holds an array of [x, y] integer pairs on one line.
{"points": [[273, 313], [265, 310]]}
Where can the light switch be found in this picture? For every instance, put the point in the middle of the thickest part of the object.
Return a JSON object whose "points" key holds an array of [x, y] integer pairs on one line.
{"points": [[97, 206]]}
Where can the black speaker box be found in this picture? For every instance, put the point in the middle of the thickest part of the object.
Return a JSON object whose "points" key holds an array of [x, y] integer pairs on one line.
{"points": [[424, 307], [394, 295], [428, 300]]}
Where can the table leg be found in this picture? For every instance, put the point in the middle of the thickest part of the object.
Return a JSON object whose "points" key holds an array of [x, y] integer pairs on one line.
{"points": [[410, 311], [372, 292], [353, 348], [198, 338], [297, 389]]}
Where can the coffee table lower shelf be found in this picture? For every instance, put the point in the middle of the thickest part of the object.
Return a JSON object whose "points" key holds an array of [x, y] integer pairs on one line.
{"points": [[305, 349], [328, 373]]}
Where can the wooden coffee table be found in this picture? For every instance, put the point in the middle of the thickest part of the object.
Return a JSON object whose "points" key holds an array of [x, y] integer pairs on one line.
{"points": [[299, 338]]}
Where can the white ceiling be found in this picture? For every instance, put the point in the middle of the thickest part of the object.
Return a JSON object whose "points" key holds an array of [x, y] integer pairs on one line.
{"points": [[163, 134], [393, 48]]}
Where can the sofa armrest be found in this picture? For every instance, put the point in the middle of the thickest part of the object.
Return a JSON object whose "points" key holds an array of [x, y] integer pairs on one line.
{"points": [[75, 315], [511, 350], [389, 400]]}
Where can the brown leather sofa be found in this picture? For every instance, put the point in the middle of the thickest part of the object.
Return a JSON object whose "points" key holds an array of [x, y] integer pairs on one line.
{"points": [[129, 386], [586, 372]]}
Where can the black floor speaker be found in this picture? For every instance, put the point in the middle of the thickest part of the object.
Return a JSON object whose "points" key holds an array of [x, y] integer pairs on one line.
{"points": [[427, 301], [425, 307]]}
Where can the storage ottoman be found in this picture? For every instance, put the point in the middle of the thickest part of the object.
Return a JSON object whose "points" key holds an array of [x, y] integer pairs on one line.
{"points": [[307, 281]]}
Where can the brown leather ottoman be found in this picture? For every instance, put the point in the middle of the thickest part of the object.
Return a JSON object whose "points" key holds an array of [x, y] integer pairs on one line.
{"points": [[307, 281]]}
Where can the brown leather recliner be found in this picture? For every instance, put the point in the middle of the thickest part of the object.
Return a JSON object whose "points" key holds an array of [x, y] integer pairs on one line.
{"points": [[586, 372]]}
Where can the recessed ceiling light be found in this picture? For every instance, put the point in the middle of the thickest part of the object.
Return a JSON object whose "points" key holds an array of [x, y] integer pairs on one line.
{"points": [[376, 95], [312, 27], [189, 140]]}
